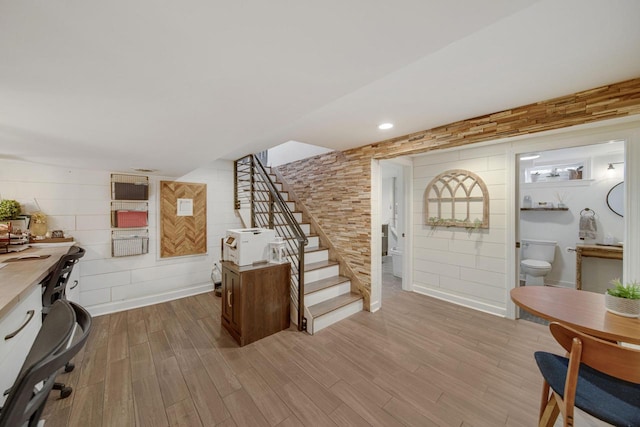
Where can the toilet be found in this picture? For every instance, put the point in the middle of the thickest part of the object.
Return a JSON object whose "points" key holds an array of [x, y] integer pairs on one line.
{"points": [[396, 257], [536, 258]]}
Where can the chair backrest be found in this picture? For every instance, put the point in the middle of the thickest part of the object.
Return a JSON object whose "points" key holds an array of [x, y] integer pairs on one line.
{"points": [[56, 283], [604, 356], [53, 348]]}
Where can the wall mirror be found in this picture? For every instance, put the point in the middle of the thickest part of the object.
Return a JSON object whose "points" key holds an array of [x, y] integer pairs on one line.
{"points": [[615, 199]]}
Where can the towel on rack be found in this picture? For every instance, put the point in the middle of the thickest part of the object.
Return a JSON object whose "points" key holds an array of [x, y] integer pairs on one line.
{"points": [[588, 228]]}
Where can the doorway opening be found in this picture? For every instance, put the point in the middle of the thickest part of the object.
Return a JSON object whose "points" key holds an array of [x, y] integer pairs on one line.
{"points": [[563, 206], [394, 219]]}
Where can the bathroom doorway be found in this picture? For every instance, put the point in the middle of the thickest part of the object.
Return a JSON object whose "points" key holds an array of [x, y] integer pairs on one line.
{"points": [[394, 212], [562, 203]]}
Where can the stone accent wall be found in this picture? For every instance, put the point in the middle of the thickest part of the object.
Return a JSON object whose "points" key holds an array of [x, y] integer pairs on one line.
{"points": [[336, 187]]}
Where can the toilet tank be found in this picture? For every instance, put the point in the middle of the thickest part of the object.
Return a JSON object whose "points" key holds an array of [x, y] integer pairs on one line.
{"points": [[542, 250]]}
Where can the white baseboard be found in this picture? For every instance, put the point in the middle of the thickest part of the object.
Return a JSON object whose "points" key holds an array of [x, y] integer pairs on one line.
{"points": [[114, 307], [465, 302]]}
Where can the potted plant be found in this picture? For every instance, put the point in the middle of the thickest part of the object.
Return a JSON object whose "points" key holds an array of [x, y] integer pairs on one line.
{"points": [[623, 300], [9, 209]]}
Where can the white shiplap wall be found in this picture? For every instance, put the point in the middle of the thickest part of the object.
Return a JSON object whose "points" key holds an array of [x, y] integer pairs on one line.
{"points": [[78, 202], [452, 263]]}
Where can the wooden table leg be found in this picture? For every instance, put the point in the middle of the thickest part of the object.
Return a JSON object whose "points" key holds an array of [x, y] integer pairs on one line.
{"points": [[578, 269]]}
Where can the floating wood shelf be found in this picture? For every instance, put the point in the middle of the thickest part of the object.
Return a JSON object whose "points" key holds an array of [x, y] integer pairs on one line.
{"points": [[544, 209]]}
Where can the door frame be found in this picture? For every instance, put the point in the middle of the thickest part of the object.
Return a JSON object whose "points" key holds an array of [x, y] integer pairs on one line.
{"points": [[626, 130], [376, 228]]}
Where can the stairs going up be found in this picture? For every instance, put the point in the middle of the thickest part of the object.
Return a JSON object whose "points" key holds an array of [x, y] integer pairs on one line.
{"points": [[327, 295]]}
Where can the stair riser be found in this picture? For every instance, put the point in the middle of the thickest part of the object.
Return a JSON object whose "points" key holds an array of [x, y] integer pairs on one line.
{"points": [[306, 228], [328, 293], [316, 256], [321, 322], [321, 273], [265, 216]]}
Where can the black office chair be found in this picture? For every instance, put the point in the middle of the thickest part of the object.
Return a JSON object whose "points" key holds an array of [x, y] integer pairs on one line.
{"points": [[54, 346], [54, 288], [55, 284]]}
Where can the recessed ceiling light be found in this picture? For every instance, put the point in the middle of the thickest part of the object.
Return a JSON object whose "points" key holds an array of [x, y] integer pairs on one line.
{"points": [[529, 156], [385, 126]]}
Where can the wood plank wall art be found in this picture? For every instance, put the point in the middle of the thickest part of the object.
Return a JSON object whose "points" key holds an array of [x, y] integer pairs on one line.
{"points": [[183, 219]]}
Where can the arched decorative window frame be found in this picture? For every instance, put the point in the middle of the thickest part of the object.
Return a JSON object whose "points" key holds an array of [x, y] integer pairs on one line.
{"points": [[464, 181]]}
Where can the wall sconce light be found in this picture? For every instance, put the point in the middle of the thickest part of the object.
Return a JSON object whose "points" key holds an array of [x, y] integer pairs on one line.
{"points": [[611, 167]]}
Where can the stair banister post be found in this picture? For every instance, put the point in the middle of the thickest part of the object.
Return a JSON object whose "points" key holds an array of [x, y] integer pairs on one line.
{"points": [[302, 324], [253, 191]]}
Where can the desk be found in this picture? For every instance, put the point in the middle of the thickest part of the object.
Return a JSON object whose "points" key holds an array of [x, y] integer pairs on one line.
{"points": [[596, 251], [17, 278], [582, 310], [21, 307]]}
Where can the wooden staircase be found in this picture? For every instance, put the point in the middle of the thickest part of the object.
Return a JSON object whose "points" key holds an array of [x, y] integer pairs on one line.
{"points": [[327, 295]]}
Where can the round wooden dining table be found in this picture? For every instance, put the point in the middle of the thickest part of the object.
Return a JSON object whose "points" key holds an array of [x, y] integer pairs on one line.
{"points": [[581, 310]]}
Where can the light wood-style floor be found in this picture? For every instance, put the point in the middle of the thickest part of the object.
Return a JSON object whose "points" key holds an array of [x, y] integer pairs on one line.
{"points": [[418, 361]]}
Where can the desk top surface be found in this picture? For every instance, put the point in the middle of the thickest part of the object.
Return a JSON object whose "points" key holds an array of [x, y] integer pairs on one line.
{"points": [[582, 310], [16, 278]]}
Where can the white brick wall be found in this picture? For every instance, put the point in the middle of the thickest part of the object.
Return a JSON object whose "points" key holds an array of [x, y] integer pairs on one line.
{"points": [[78, 202]]}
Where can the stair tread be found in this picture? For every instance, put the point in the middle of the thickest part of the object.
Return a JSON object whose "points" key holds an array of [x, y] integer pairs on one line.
{"points": [[308, 249], [318, 265], [267, 212], [332, 304], [308, 235], [318, 285]]}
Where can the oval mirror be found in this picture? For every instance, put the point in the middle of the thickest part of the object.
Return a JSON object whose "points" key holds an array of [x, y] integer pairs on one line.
{"points": [[615, 199]]}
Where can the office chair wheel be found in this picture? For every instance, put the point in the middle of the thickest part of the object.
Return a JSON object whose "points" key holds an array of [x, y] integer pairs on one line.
{"points": [[65, 392], [69, 367]]}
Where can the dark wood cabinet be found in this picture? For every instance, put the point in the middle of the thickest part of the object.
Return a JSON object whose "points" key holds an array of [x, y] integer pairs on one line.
{"points": [[255, 300]]}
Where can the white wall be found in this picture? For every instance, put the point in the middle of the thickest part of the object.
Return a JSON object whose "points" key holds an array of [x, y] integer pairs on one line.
{"points": [[479, 269], [563, 226], [292, 151], [78, 202], [452, 263]]}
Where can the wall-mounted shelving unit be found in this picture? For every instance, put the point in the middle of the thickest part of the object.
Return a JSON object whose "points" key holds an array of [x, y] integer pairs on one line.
{"points": [[129, 215]]}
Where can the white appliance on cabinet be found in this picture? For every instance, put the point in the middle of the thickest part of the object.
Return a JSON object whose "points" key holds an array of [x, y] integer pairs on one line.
{"points": [[246, 246]]}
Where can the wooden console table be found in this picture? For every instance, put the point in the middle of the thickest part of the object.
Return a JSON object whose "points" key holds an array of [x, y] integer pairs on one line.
{"points": [[596, 251]]}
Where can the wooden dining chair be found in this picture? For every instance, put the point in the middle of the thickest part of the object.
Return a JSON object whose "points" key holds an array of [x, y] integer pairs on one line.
{"points": [[599, 377]]}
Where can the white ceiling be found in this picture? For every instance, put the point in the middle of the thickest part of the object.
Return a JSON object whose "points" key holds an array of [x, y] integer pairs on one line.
{"points": [[172, 86]]}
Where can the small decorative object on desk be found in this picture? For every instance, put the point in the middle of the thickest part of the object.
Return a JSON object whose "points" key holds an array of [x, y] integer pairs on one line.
{"points": [[57, 234], [38, 225], [278, 252], [623, 300]]}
